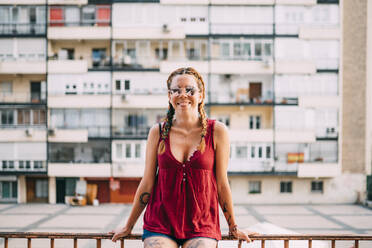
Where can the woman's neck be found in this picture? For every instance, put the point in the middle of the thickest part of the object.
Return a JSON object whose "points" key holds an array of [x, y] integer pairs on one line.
{"points": [[186, 121]]}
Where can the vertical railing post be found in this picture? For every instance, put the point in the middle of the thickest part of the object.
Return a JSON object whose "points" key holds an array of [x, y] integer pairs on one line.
{"points": [[29, 243], [51, 243], [239, 244], [356, 244], [333, 243], [75, 242], [5, 242], [122, 243], [310, 243], [262, 243], [98, 243], [286, 243]]}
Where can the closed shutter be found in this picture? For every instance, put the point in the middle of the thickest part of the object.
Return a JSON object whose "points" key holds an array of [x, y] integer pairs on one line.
{"points": [[56, 16], [103, 16]]}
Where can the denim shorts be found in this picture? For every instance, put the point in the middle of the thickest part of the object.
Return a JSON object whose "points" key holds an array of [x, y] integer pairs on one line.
{"points": [[147, 234]]}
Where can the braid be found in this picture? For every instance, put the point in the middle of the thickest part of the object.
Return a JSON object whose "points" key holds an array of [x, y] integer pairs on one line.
{"points": [[204, 123], [166, 128]]}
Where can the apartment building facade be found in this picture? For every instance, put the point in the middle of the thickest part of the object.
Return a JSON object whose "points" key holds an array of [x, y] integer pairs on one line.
{"points": [[83, 81]]}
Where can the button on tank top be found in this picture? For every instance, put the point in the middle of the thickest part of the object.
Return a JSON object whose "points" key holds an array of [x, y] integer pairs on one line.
{"points": [[184, 199]]}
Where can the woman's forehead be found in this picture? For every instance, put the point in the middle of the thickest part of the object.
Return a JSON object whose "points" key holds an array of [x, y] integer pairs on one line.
{"points": [[184, 80]]}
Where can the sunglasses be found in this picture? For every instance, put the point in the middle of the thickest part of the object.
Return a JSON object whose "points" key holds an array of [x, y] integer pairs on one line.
{"points": [[190, 91]]}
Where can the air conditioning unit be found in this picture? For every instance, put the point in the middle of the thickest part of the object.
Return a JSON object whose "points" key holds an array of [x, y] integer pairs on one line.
{"points": [[165, 28], [124, 97], [29, 132], [51, 132], [331, 130]]}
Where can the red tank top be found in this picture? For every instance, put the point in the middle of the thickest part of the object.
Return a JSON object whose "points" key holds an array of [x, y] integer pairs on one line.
{"points": [[184, 199]]}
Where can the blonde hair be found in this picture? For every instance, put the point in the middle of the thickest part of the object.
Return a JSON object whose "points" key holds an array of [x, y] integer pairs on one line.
{"points": [[170, 114]]}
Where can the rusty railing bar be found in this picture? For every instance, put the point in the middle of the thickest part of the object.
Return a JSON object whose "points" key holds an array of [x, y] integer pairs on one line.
{"points": [[52, 235], [286, 243], [75, 243], [6, 243], [98, 243], [263, 243], [51, 243], [29, 243], [122, 243], [310, 243], [356, 243], [333, 243]]}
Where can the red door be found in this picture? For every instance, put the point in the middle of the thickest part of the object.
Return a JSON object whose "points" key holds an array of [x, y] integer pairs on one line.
{"points": [[103, 191]]}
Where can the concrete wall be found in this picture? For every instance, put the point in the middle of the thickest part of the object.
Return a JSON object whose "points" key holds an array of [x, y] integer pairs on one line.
{"points": [[353, 72]]}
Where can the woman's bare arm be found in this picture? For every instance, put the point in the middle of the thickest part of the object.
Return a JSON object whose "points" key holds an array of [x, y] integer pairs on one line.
{"points": [[144, 189], [222, 146]]}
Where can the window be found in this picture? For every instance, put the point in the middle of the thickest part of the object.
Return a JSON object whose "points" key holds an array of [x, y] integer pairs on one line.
{"points": [[6, 88], [225, 120], [89, 15], [41, 188], [183, 19], [317, 186], [241, 152], [138, 150], [119, 151], [38, 116], [255, 187], [21, 164], [127, 84], [285, 187], [268, 152], [117, 84], [23, 116], [128, 150], [161, 54], [254, 122], [267, 49], [38, 164], [258, 49], [7, 117], [253, 151], [225, 47], [8, 190], [98, 56], [237, 50], [260, 152]]}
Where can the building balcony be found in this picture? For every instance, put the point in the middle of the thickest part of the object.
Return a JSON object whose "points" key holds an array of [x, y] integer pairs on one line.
{"points": [[77, 134], [67, 135], [22, 97], [295, 67], [260, 167], [24, 2], [222, 66], [319, 32], [128, 169], [140, 101], [319, 102], [79, 101], [23, 133], [67, 66], [284, 100], [75, 169], [295, 135], [67, 2], [76, 32], [22, 166], [251, 135], [22, 29], [242, 28], [20, 66], [148, 32], [131, 132], [239, 97], [318, 169]]}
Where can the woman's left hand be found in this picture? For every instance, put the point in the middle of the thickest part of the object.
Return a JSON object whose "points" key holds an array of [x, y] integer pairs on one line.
{"points": [[243, 235]]}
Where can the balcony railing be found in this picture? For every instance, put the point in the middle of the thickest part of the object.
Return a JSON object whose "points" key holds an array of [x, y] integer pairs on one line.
{"points": [[131, 132], [242, 28], [22, 29], [22, 166], [22, 97], [299, 240]]}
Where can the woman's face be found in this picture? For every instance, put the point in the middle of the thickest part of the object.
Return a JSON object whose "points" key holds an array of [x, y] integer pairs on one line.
{"points": [[184, 94]]}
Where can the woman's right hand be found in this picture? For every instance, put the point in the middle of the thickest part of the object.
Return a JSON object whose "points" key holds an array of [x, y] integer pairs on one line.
{"points": [[119, 233]]}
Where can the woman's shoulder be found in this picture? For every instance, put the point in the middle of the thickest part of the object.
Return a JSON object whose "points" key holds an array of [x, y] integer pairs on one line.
{"points": [[219, 128], [155, 131]]}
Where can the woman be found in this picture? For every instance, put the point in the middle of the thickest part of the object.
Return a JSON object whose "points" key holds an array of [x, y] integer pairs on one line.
{"points": [[191, 153]]}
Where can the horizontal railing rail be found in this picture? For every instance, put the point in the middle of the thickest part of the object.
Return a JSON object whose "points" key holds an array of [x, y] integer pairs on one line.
{"points": [[99, 236]]}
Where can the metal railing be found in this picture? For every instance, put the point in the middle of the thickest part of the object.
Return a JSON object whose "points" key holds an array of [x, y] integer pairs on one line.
{"points": [[263, 238]]}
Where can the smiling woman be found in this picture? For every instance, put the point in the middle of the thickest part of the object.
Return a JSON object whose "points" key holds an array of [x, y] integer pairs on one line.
{"points": [[185, 174]]}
